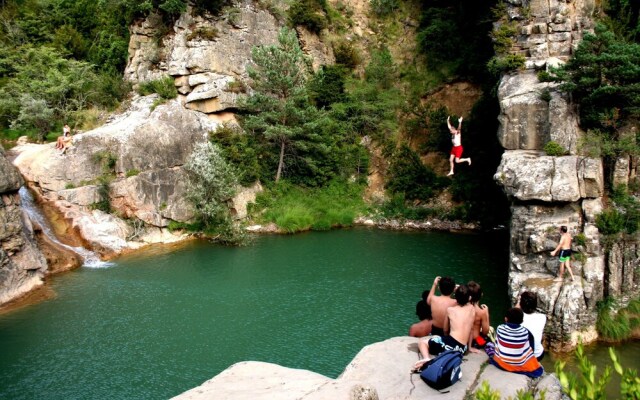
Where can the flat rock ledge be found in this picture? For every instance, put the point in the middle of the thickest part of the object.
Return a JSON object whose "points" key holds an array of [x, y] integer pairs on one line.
{"points": [[379, 372]]}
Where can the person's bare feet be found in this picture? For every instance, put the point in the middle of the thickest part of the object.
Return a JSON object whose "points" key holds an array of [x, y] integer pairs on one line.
{"points": [[419, 364], [450, 173], [558, 279]]}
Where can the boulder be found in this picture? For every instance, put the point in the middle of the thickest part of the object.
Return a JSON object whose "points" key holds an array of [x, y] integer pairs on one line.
{"points": [[365, 378], [204, 53], [529, 175], [22, 264]]}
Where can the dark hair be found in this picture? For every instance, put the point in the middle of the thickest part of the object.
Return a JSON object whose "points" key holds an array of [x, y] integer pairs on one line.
{"points": [[475, 291], [528, 302], [446, 285], [462, 295], [563, 229], [423, 310], [514, 315], [425, 294]]}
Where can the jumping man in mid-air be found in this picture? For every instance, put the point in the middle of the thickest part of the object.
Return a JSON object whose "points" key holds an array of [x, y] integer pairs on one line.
{"points": [[456, 150]]}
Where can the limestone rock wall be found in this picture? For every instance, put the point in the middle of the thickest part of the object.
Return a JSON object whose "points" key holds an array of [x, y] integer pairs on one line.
{"points": [[22, 265], [547, 192], [203, 53]]}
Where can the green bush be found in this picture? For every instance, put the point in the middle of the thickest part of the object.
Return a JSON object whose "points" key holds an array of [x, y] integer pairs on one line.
{"points": [[239, 150], [308, 13], [614, 323], [554, 149], [384, 7], [295, 209], [610, 222], [408, 175], [507, 63], [204, 33], [580, 239], [346, 54], [164, 87], [132, 172], [236, 87]]}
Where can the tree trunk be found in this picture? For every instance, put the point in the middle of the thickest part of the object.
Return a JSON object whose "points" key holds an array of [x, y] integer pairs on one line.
{"points": [[281, 162]]}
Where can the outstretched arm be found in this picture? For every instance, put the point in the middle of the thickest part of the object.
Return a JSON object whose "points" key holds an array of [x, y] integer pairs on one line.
{"points": [[449, 123], [460, 125], [432, 292]]}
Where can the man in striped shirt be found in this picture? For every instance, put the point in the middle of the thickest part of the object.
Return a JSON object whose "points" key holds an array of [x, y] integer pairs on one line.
{"points": [[514, 347]]}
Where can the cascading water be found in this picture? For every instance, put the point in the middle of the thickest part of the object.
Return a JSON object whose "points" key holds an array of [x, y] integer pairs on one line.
{"points": [[90, 259]]}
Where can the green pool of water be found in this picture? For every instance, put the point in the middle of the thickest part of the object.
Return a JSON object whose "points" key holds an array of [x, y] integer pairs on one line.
{"points": [[167, 319]]}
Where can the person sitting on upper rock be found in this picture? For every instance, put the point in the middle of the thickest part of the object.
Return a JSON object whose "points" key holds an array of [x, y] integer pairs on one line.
{"points": [[513, 350], [423, 311], [458, 325], [66, 132], [440, 304], [456, 149], [533, 320], [480, 332]]}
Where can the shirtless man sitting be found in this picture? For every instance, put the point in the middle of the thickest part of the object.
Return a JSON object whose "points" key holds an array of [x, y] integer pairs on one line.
{"points": [[480, 331], [440, 304], [458, 323]]}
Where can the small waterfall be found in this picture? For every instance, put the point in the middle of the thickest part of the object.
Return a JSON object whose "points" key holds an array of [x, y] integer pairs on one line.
{"points": [[91, 259]]}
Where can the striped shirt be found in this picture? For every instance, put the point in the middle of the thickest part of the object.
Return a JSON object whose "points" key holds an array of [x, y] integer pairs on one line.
{"points": [[514, 352]]}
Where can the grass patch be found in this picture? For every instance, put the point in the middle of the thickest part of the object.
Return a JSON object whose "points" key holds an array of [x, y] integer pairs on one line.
{"points": [[294, 208], [617, 326]]}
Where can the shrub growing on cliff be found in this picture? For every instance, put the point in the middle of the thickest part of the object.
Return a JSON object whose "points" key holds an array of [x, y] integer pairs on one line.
{"points": [[212, 184], [554, 149], [164, 87]]}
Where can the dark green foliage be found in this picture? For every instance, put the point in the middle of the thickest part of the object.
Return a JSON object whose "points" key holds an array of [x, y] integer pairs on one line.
{"points": [[624, 216], [346, 54], [308, 13], [409, 176], [397, 207], [610, 221], [621, 16], [613, 323], [211, 6], [295, 209], [239, 149], [454, 36], [604, 77], [507, 63], [164, 87], [554, 149], [327, 86], [384, 7]]}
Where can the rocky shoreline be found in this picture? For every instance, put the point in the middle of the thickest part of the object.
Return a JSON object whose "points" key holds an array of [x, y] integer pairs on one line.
{"points": [[379, 371]]}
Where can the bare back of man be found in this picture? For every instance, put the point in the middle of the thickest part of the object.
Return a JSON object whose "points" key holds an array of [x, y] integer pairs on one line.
{"points": [[481, 320], [460, 321], [439, 307], [440, 304]]}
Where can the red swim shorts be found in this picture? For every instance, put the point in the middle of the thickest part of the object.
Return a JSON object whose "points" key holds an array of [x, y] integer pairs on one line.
{"points": [[456, 151]]}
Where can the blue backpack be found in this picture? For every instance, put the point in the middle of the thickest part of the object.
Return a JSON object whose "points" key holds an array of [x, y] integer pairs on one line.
{"points": [[443, 371]]}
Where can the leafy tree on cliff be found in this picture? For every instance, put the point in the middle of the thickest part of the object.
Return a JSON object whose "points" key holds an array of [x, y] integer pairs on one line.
{"points": [[213, 182], [279, 111], [604, 79]]}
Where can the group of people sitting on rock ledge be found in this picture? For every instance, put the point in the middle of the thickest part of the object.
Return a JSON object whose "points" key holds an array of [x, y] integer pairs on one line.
{"points": [[455, 320]]}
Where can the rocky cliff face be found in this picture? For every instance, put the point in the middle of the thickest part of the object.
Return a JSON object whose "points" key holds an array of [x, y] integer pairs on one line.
{"points": [[203, 54], [547, 192], [22, 265]]}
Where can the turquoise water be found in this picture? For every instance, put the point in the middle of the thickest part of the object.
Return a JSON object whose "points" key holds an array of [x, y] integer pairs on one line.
{"points": [[167, 319]]}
